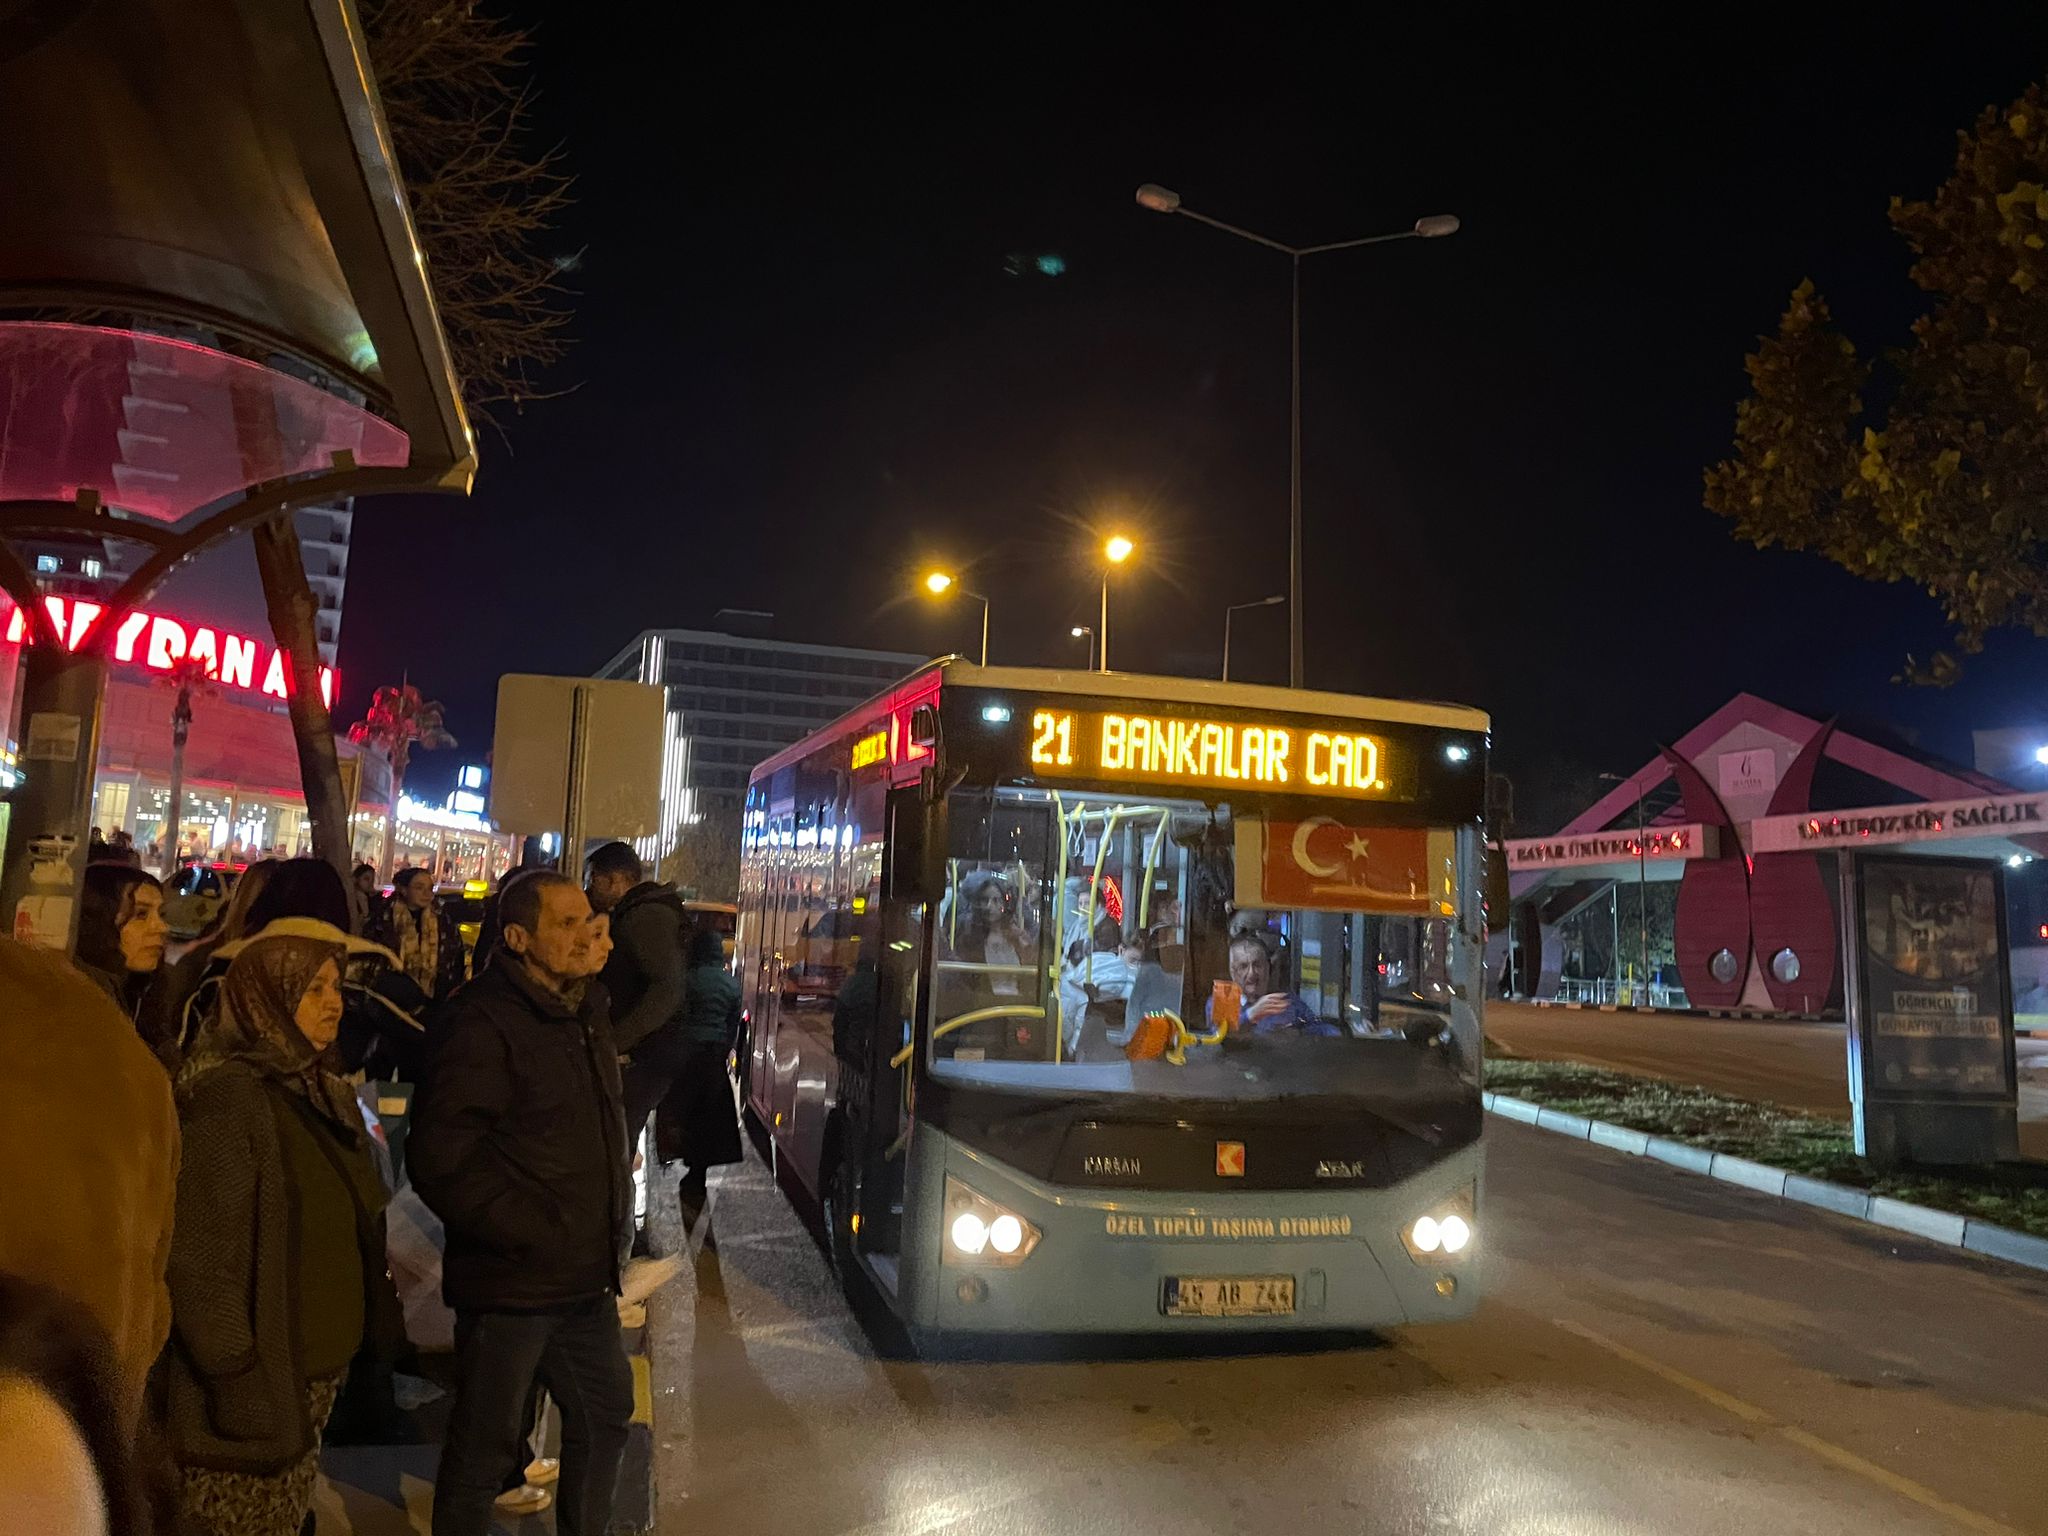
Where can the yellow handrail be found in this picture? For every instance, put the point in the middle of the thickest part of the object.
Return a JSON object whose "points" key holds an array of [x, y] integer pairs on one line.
{"points": [[974, 1016], [1094, 885], [1151, 865]]}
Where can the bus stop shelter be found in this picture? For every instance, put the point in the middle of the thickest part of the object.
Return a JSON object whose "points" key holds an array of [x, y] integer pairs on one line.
{"points": [[213, 308]]}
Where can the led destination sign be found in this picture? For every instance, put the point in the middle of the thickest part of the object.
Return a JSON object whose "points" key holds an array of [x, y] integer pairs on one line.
{"points": [[1218, 754]]}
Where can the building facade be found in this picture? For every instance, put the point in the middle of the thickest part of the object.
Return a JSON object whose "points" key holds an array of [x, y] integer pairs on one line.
{"points": [[734, 700], [223, 583]]}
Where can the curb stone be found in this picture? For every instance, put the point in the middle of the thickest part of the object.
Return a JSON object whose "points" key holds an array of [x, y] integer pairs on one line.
{"points": [[1761, 1177], [1578, 1127], [1944, 1227], [1680, 1154], [1839, 1198]]}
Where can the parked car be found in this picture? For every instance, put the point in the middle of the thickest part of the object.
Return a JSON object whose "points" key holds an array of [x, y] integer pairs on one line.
{"points": [[465, 903], [823, 955], [196, 894]]}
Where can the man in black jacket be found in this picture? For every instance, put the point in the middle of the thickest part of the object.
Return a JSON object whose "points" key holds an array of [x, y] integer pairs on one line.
{"points": [[518, 1145], [646, 978]]}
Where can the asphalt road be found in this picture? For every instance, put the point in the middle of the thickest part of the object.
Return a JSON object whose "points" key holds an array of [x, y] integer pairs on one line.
{"points": [[1658, 1354], [1801, 1066]]}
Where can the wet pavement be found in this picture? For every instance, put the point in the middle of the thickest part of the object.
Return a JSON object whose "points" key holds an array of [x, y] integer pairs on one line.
{"points": [[1657, 1353]]}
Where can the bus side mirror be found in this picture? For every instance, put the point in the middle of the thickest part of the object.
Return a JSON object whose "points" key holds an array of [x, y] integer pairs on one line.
{"points": [[908, 825], [924, 726]]}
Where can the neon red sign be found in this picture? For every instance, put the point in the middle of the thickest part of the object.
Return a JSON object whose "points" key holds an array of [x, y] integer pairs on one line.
{"points": [[159, 643]]}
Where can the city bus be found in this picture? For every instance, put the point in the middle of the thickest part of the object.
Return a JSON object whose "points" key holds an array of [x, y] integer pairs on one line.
{"points": [[1094, 1002]]}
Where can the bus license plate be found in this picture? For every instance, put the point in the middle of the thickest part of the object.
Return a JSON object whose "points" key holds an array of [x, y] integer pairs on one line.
{"points": [[1229, 1296]]}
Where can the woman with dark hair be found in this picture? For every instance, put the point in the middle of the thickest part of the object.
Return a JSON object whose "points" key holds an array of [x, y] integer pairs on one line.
{"points": [[121, 939], [68, 1462], [277, 1270]]}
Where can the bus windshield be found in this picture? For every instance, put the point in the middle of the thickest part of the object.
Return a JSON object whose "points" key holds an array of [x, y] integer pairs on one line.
{"points": [[1094, 943]]}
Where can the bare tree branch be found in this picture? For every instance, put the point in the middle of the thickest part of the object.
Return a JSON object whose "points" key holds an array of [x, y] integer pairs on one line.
{"points": [[485, 205]]}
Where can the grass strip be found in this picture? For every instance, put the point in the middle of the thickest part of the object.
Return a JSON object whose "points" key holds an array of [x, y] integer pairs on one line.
{"points": [[2009, 1196]]}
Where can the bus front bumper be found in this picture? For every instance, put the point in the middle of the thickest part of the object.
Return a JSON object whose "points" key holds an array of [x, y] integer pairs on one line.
{"points": [[1120, 1261]]}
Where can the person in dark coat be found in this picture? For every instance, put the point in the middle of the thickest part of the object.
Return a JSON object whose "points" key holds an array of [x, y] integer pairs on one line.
{"points": [[423, 934], [518, 1144], [646, 977], [277, 1270], [697, 1126]]}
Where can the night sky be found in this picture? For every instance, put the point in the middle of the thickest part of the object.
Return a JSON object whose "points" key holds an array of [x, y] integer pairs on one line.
{"points": [[804, 366]]}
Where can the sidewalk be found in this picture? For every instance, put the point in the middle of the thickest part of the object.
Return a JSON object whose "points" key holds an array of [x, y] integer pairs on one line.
{"points": [[388, 1489]]}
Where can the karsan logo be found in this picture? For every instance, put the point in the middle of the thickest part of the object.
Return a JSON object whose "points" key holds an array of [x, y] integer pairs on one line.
{"points": [[1340, 1168]]}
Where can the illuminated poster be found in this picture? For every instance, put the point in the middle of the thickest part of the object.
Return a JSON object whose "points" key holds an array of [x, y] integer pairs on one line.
{"points": [[1934, 979]]}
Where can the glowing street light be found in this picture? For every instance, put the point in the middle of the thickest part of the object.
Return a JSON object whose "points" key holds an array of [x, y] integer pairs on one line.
{"points": [[939, 583], [1431, 227], [1115, 552], [1085, 632]]}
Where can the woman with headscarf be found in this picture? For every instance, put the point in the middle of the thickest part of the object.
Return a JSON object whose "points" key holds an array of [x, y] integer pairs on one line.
{"points": [[380, 1027], [121, 939], [277, 1270]]}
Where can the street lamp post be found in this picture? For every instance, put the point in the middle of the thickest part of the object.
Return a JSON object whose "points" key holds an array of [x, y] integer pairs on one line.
{"points": [[1642, 876], [1114, 553], [939, 583], [1085, 632], [1160, 200], [1262, 602]]}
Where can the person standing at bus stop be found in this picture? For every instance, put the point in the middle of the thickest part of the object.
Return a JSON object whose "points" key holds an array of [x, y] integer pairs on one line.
{"points": [[647, 977], [518, 1145]]}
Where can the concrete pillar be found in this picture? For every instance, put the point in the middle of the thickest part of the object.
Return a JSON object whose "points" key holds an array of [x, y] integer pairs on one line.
{"points": [[47, 832]]}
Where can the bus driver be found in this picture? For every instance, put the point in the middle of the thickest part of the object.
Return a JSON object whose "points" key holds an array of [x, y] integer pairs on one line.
{"points": [[1263, 1010]]}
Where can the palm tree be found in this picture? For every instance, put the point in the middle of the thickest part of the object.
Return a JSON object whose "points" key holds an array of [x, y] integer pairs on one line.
{"points": [[398, 720], [189, 675]]}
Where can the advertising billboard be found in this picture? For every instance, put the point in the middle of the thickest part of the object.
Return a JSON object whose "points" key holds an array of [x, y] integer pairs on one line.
{"points": [[1931, 1028]]}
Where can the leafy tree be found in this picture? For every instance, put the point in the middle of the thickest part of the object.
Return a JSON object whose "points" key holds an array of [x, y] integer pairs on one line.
{"points": [[706, 862], [398, 721], [1938, 475]]}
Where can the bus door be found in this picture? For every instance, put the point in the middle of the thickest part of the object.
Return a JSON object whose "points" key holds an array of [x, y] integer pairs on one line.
{"points": [[758, 1071], [877, 1026]]}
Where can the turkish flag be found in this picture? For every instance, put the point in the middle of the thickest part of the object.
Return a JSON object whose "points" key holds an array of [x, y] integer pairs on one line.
{"points": [[1323, 863]]}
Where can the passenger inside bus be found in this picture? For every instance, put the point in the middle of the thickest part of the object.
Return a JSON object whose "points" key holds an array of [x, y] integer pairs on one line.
{"points": [[1095, 985], [989, 963], [1262, 1007]]}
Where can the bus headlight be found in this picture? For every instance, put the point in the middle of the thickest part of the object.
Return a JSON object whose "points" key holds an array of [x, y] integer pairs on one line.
{"points": [[1445, 1232], [978, 1231]]}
